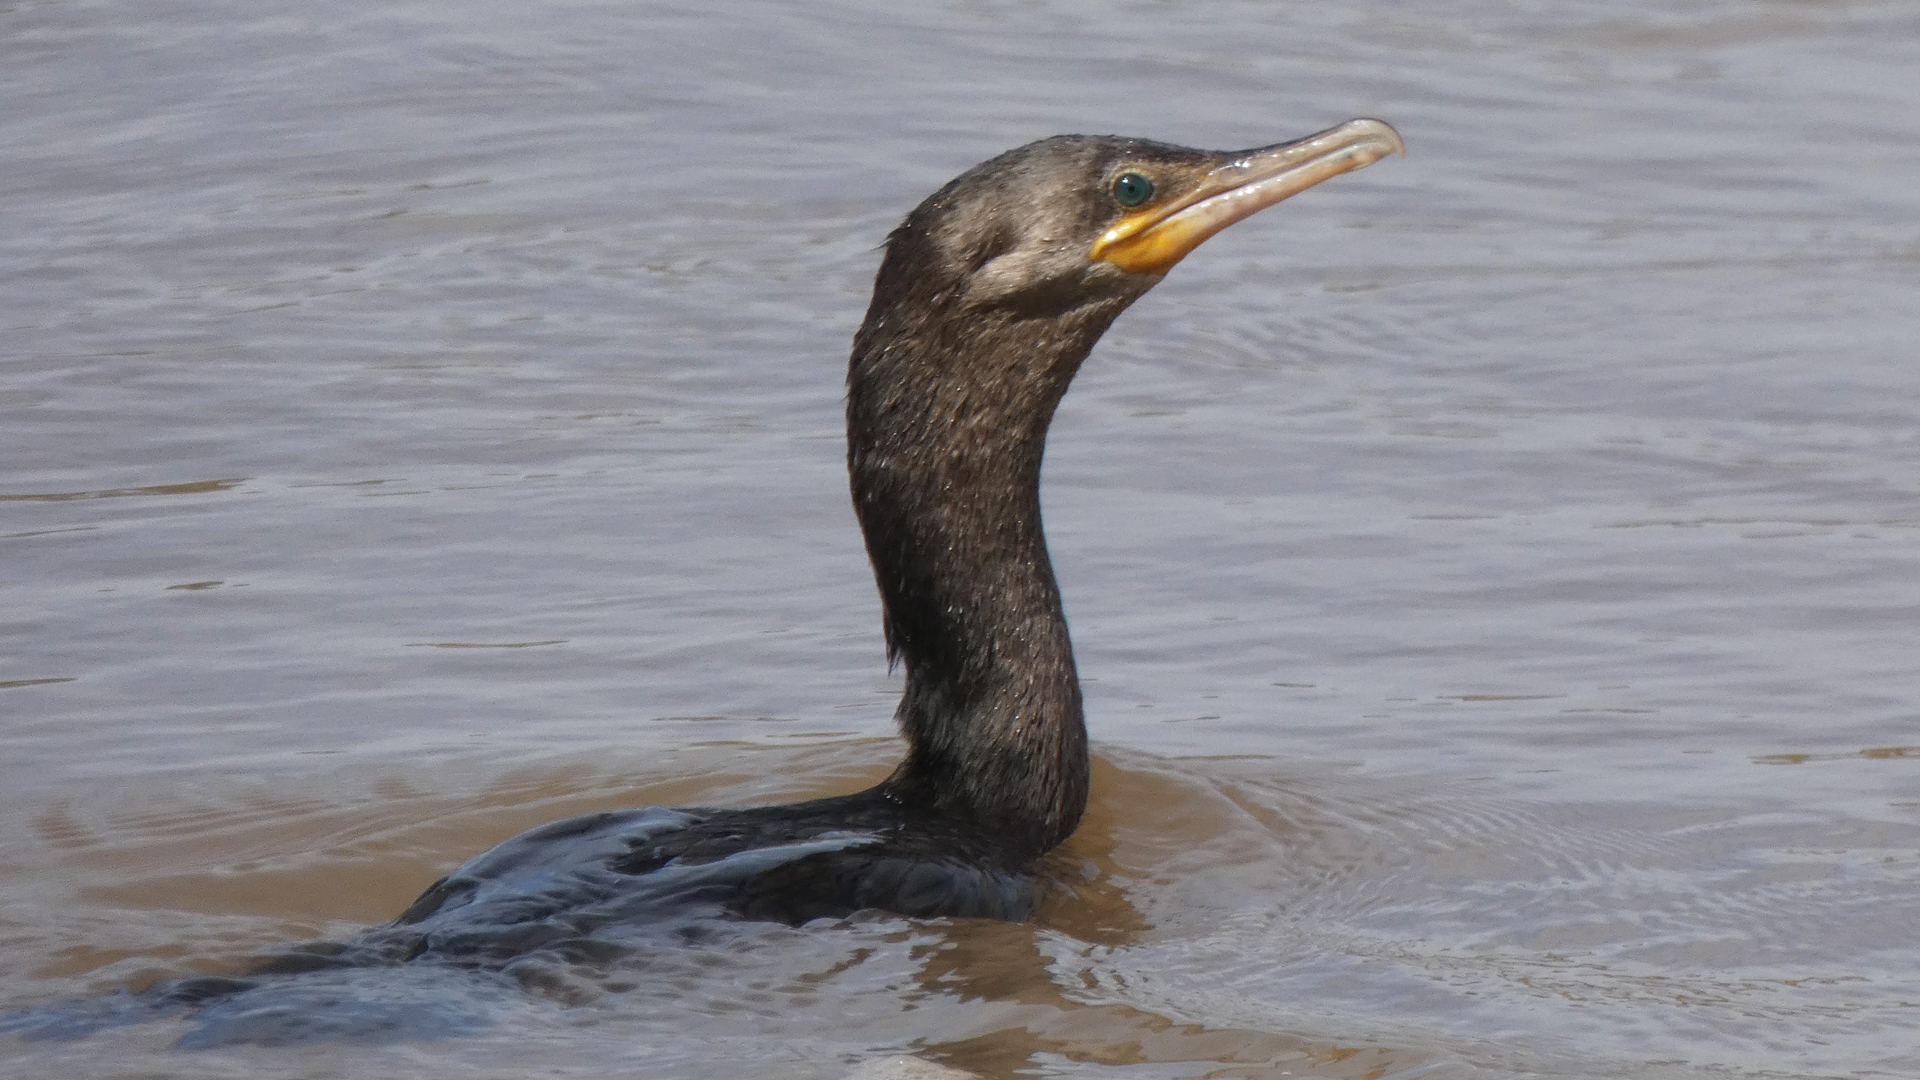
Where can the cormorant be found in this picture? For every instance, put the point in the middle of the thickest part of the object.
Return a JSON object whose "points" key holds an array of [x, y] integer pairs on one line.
{"points": [[991, 294]]}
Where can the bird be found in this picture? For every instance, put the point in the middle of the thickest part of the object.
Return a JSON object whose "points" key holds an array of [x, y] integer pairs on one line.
{"points": [[990, 295]]}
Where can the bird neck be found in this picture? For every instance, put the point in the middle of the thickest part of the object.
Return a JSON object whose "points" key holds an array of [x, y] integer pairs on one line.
{"points": [[947, 421]]}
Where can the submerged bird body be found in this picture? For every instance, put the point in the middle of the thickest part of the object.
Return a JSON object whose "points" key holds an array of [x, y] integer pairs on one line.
{"points": [[587, 887], [991, 294]]}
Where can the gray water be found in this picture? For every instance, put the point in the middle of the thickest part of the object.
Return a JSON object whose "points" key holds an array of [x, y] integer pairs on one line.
{"points": [[1496, 573]]}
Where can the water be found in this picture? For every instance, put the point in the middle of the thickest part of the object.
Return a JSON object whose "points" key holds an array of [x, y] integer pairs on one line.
{"points": [[1494, 571]]}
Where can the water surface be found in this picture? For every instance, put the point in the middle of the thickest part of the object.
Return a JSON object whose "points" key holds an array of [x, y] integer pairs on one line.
{"points": [[1496, 573]]}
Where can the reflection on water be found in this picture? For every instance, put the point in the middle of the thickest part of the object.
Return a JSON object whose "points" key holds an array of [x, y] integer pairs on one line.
{"points": [[155, 489], [1495, 580]]}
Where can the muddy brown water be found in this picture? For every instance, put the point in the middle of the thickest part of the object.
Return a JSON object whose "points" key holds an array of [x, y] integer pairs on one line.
{"points": [[1496, 573]]}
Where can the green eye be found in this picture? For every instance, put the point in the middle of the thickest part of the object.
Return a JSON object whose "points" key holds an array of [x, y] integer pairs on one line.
{"points": [[1132, 189]]}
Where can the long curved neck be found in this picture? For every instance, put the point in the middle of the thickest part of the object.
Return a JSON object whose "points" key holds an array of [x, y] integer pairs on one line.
{"points": [[947, 418]]}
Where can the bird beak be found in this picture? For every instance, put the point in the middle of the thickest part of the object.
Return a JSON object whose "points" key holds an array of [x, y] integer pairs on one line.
{"points": [[1153, 239]]}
